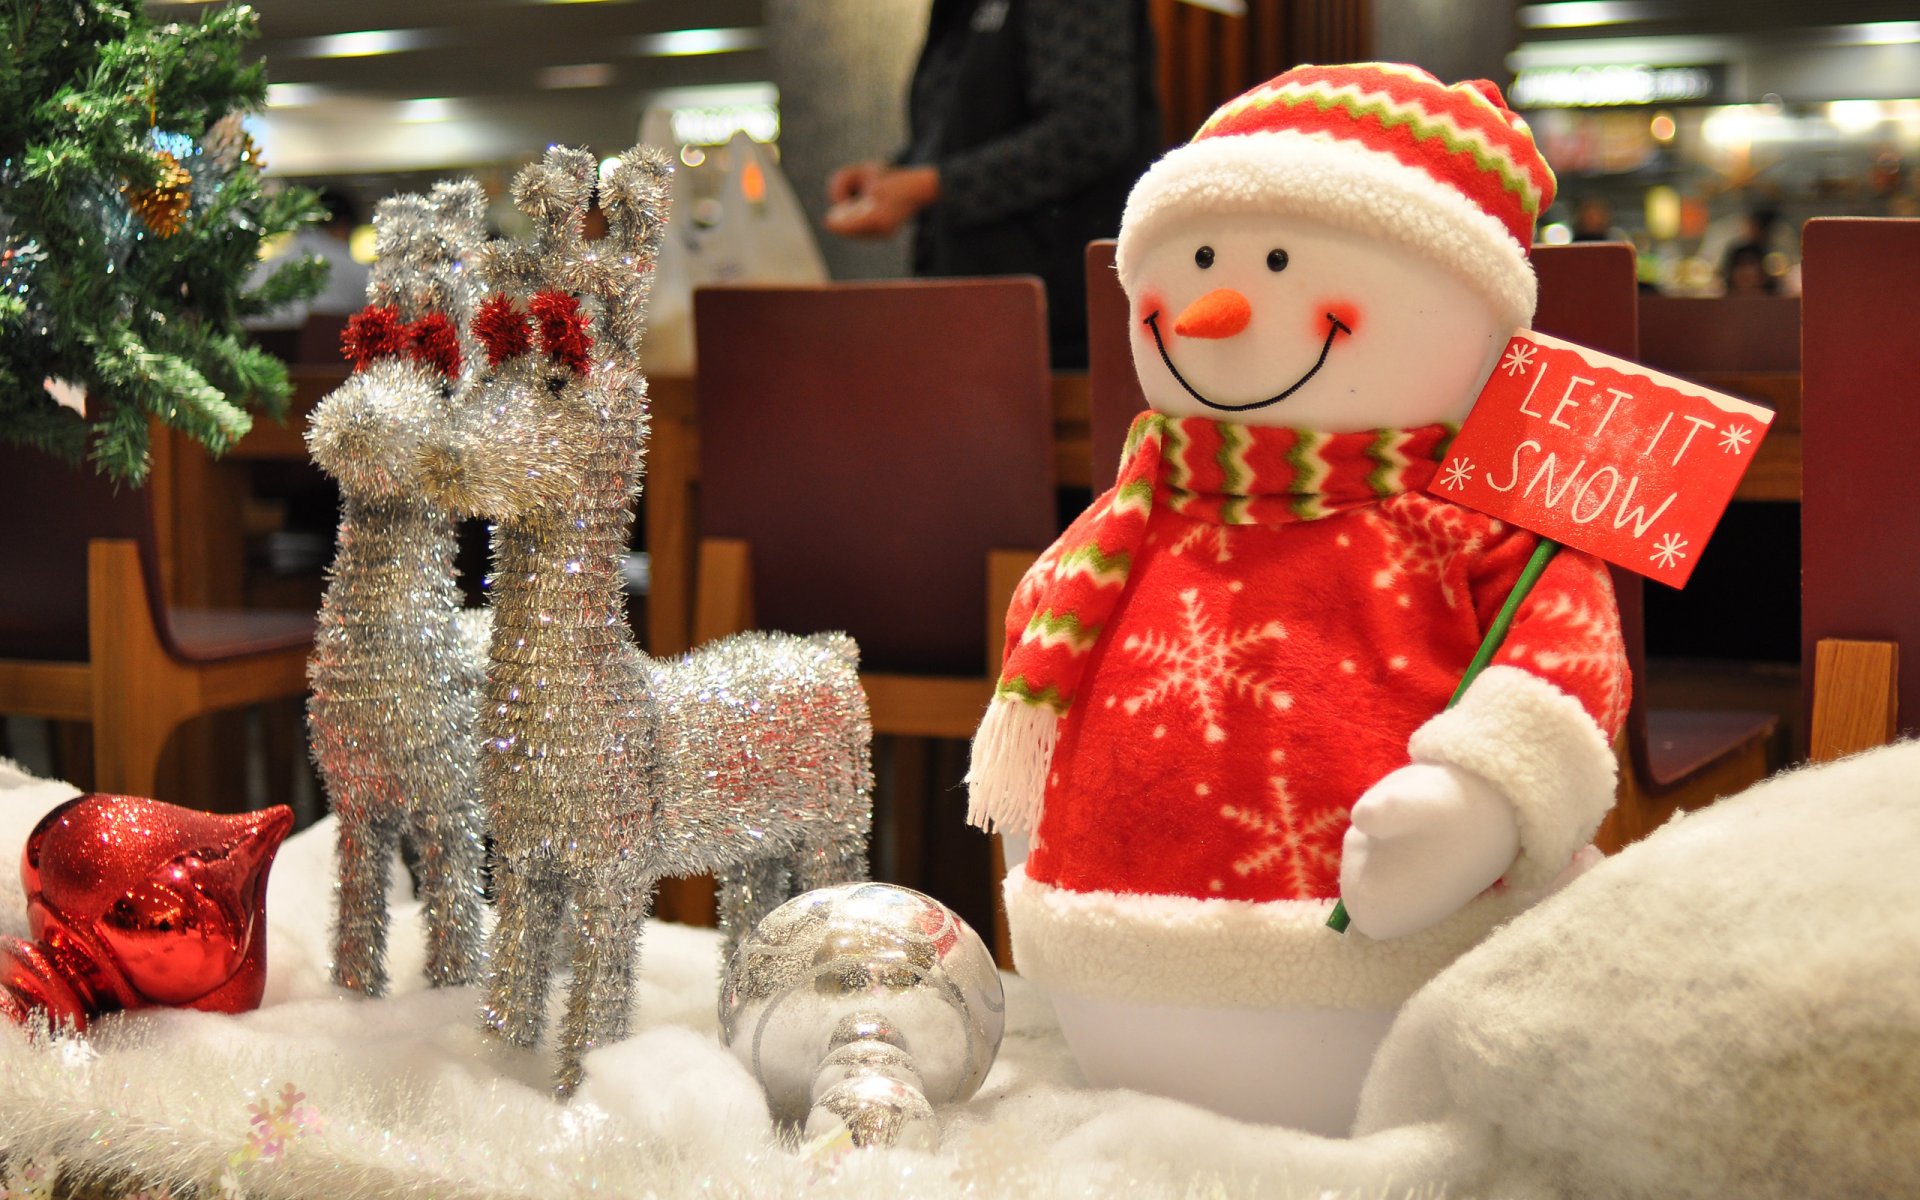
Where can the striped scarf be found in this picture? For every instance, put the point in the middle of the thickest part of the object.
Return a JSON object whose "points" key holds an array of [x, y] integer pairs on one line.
{"points": [[1211, 471]]}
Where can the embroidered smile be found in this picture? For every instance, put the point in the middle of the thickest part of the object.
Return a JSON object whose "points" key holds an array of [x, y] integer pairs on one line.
{"points": [[1335, 327]]}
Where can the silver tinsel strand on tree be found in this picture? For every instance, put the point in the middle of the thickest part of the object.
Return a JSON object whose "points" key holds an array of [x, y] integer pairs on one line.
{"points": [[604, 770], [397, 667]]}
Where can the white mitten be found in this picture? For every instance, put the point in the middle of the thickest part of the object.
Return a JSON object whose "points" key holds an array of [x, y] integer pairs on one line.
{"points": [[1425, 840]]}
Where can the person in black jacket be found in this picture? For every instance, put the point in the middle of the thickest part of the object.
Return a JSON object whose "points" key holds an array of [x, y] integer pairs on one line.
{"points": [[1029, 122]]}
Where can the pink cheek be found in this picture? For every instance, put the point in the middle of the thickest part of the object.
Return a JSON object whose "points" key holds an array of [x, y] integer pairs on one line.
{"points": [[1150, 303], [1344, 311]]}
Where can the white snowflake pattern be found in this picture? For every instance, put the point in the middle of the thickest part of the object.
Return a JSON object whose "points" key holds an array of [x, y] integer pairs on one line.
{"points": [[1586, 646], [1734, 438], [1518, 360], [1458, 474], [1207, 664], [1670, 549], [1213, 536], [1421, 538], [1307, 849]]}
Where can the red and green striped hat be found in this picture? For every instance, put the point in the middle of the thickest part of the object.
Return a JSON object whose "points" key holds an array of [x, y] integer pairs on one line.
{"points": [[1381, 148]]}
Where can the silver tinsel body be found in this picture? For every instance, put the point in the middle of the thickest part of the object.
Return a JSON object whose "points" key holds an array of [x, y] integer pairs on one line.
{"points": [[604, 770], [397, 666]]}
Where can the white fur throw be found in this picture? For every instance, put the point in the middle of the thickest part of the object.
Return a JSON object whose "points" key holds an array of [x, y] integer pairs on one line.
{"points": [[1730, 1008]]}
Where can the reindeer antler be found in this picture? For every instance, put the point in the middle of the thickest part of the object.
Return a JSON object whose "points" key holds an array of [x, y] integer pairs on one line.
{"points": [[554, 194], [421, 295], [635, 197]]}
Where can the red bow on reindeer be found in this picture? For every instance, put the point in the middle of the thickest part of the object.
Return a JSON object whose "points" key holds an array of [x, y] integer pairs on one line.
{"points": [[503, 329], [377, 332]]}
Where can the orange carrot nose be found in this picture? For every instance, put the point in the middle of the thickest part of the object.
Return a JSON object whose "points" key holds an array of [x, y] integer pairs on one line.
{"points": [[1220, 313]]}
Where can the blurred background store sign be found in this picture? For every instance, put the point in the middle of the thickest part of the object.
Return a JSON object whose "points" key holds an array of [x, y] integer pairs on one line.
{"points": [[1606, 86]]}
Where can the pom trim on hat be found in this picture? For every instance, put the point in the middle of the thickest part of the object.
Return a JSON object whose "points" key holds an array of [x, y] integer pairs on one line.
{"points": [[1288, 174]]}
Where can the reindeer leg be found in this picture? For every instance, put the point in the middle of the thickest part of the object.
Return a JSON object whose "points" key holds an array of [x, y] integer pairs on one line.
{"points": [[750, 890], [836, 858], [610, 914], [368, 836], [530, 900], [446, 832]]}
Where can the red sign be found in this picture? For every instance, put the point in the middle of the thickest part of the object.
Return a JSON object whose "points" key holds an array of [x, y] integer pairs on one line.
{"points": [[1602, 454]]}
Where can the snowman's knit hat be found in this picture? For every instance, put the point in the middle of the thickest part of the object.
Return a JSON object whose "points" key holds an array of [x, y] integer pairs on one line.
{"points": [[1450, 173]]}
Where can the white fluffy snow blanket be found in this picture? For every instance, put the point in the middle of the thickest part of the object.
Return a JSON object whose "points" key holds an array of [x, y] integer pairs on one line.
{"points": [[1730, 1008]]}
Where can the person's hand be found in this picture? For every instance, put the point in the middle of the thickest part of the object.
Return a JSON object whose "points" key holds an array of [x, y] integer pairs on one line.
{"points": [[871, 200], [853, 180], [1424, 841]]}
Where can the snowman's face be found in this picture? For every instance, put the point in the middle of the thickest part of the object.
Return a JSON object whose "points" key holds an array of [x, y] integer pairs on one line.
{"points": [[1265, 320]]}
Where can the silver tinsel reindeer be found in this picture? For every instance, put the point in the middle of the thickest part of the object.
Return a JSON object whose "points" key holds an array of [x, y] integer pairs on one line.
{"points": [[605, 771], [396, 666]]}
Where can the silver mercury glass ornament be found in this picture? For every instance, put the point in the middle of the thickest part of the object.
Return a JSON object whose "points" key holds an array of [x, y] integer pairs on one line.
{"points": [[859, 1008]]}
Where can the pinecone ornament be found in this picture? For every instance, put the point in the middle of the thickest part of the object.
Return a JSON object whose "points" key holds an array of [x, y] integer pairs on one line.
{"points": [[163, 207]]}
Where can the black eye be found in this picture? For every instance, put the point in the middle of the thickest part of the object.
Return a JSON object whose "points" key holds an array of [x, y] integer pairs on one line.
{"points": [[1276, 260], [1204, 257]]}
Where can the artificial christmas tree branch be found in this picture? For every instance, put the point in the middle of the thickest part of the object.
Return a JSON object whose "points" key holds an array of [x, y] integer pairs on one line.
{"points": [[131, 216]]}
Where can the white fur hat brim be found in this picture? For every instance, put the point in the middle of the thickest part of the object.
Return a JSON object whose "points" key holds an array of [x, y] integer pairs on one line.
{"points": [[1288, 174]]}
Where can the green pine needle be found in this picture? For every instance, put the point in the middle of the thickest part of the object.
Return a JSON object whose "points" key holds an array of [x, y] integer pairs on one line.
{"points": [[148, 325]]}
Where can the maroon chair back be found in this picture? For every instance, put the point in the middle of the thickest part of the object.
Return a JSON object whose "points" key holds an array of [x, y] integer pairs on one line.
{"points": [[1686, 335], [49, 511], [1860, 502], [872, 441]]}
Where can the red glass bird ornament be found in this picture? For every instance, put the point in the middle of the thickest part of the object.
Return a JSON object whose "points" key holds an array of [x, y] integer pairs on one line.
{"points": [[134, 903]]}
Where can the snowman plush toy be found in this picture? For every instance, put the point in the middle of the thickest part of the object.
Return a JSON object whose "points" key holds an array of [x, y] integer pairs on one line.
{"points": [[1224, 701]]}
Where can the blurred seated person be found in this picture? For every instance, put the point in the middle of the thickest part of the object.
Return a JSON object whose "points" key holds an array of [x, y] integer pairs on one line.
{"points": [[346, 290], [1029, 122], [1744, 270], [1593, 221]]}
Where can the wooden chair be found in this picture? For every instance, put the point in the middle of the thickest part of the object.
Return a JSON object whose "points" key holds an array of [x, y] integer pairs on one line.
{"points": [[1671, 759], [85, 634], [878, 458], [1860, 512]]}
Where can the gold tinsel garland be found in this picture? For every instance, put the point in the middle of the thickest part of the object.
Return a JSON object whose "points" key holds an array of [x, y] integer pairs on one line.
{"points": [[163, 207]]}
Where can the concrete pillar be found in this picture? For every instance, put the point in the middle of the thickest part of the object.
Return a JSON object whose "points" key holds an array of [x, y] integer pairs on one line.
{"points": [[1454, 39], [842, 68]]}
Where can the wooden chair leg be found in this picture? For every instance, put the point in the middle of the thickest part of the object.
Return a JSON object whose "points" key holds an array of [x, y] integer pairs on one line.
{"points": [[140, 696], [724, 591], [1856, 696], [1005, 568]]}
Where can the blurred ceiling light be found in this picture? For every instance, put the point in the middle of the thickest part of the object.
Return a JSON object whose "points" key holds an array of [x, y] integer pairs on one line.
{"points": [[1556, 234], [1662, 213], [712, 124], [1579, 14], [1878, 33], [683, 42], [364, 43], [693, 156], [295, 95], [1662, 127], [578, 75], [433, 108], [607, 165], [362, 244], [1855, 116]]}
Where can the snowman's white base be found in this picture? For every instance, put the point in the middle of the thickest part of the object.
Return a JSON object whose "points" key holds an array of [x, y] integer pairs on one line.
{"points": [[1301, 1068]]}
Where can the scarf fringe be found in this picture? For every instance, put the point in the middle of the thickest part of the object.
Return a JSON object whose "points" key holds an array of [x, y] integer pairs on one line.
{"points": [[1012, 753]]}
